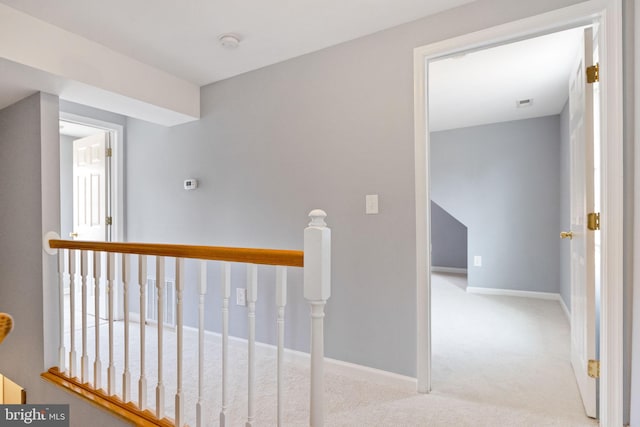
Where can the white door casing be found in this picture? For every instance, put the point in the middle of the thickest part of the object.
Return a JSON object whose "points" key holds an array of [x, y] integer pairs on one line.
{"points": [[608, 13], [90, 188], [583, 304]]}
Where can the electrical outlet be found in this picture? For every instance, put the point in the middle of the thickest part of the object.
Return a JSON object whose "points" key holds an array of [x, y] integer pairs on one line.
{"points": [[241, 297], [477, 261]]}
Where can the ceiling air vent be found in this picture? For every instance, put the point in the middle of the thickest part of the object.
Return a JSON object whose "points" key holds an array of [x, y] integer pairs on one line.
{"points": [[522, 103]]}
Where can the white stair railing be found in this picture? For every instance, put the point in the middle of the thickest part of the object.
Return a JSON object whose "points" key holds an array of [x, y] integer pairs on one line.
{"points": [[317, 289], [281, 302], [142, 282], [226, 293], [126, 375]]}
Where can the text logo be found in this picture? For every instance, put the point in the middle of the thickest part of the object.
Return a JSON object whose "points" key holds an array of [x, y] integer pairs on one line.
{"points": [[34, 415]]}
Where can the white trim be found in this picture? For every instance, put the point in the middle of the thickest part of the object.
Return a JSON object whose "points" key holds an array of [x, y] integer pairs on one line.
{"points": [[514, 293], [565, 309], [333, 366], [612, 291], [117, 169], [423, 230], [365, 373], [552, 296], [608, 12], [451, 270]]}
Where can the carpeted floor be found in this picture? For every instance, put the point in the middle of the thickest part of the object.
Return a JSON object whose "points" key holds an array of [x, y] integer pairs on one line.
{"points": [[497, 361]]}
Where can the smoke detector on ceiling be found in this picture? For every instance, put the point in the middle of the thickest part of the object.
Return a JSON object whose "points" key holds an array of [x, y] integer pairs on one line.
{"points": [[522, 103], [229, 40]]}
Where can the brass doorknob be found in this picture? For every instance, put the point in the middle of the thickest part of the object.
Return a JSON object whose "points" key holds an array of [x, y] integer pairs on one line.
{"points": [[73, 235], [566, 234]]}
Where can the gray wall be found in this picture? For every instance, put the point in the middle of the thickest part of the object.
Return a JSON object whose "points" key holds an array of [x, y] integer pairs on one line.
{"points": [[322, 130], [565, 206], [448, 239], [29, 186], [502, 182], [633, 141], [369, 83]]}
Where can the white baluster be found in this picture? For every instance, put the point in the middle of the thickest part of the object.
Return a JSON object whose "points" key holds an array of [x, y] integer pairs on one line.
{"points": [[111, 370], [179, 288], [252, 296], [281, 302], [126, 375], [84, 360], [317, 290], [160, 291], [73, 370], [97, 363], [226, 293], [142, 281], [62, 351], [202, 291]]}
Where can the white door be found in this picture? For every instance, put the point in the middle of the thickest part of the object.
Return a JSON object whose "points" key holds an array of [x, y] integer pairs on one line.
{"points": [[90, 188], [583, 303]]}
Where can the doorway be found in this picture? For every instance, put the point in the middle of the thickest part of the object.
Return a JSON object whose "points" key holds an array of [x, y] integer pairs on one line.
{"points": [[609, 18], [498, 172], [91, 192], [102, 144]]}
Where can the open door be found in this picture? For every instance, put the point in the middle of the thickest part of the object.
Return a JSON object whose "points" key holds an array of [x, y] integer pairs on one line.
{"points": [[90, 188], [583, 300]]}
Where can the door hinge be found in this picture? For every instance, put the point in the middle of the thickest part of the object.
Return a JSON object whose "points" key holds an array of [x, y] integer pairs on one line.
{"points": [[593, 221], [593, 368], [593, 73], [109, 152], [109, 220]]}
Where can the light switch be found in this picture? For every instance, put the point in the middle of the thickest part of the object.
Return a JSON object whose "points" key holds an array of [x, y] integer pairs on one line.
{"points": [[371, 201]]}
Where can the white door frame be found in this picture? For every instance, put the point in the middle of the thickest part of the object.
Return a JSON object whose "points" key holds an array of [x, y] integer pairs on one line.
{"points": [[609, 14], [117, 169]]}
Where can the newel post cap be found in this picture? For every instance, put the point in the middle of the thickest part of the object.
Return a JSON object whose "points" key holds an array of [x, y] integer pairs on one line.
{"points": [[317, 218], [317, 258]]}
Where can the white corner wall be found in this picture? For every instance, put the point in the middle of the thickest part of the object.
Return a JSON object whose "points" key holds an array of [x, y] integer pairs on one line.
{"points": [[44, 57]]}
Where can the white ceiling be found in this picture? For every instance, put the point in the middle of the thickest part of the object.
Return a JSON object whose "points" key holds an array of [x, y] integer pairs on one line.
{"points": [[483, 87], [181, 38]]}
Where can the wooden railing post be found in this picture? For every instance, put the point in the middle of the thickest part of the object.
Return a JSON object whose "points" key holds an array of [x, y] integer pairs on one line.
{"points": [[317, 290]]}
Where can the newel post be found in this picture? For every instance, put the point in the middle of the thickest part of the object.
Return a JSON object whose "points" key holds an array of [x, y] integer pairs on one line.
{"points": [[317, 290]]}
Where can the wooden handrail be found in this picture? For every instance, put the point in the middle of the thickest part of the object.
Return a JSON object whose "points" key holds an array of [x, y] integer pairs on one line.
{"points": [[215, 253]]}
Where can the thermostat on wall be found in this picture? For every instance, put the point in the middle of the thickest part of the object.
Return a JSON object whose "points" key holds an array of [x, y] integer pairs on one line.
{"points": [[190, 184]]}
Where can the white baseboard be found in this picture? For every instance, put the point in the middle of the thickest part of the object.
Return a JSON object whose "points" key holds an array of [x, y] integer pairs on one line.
{"points": [[514, 293], [565, 309], [525, 294], [339, 367], [453, 270]]}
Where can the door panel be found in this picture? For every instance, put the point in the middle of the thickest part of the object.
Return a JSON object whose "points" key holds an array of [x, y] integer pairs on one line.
{"points": [[583, 328], [90, 188]]}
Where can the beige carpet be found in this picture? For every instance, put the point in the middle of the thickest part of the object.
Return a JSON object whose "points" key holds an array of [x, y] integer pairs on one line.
{"points": [[498, 361]]}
